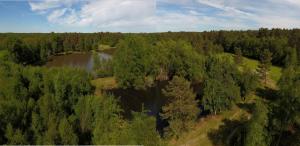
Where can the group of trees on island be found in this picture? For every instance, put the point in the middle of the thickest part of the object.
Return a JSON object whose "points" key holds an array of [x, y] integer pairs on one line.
{"points": [[41, 105]]}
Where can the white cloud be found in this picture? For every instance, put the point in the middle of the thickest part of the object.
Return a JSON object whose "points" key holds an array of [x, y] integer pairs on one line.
{"points": [[104, 12], [221, 4], [50, 4], [56, 14], [259, 13], [191, 15]]}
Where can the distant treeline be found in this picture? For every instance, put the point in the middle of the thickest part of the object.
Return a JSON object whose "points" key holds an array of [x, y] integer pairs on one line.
{"points": [[281, 42]]}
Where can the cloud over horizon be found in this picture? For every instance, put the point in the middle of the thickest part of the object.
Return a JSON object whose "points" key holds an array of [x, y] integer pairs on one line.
{"points": [[165, 15]]}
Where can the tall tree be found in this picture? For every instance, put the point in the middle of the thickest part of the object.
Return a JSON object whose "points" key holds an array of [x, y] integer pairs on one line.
{"points": [[66, 132], [291, 57], [181, 110], [248, 81], [264, 65], [131, 63], [238, 58], [107, 125], [257, 134], [216, 96], [142, 130], [287, 109]]}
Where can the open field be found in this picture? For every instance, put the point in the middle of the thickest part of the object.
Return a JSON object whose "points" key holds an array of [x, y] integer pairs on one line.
{"points": [[275, 71]]}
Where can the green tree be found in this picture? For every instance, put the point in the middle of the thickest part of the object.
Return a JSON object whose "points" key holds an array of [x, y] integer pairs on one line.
{"points": [[15, 137], [248, 81], [216, 96], [66, 132], [171, 58], [181, 110], [142, 130], [291, 57], [131, 63], [287, 108], [107, 125], [257, 134], [264, 65], [238, 58]]}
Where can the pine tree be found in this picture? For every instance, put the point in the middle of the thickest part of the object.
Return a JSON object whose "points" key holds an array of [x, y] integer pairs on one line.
{"points": [[181, 109], [67, 133], [238, 58], [291, 57], [265, 64]]}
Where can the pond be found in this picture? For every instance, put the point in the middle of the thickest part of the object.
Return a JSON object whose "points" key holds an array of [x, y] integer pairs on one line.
{"points": [[78, 60], [151, 99]]}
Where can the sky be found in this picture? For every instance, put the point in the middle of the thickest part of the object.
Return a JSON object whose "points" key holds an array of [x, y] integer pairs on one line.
{"points": [[146, 15]]}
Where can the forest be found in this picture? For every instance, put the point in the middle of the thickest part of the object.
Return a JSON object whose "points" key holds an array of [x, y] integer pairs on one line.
{"points": [[222, 88]]}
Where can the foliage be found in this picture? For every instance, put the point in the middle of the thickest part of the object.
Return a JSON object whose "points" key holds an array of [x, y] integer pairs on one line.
{"points": [[216, 96], [181, 109], [289, 94], [257, 133], [56, 106], [248, 82], [138, 64], [131, 63], [178, 58], [291, 57], [238, 56], [142, 130], [265, 64]]}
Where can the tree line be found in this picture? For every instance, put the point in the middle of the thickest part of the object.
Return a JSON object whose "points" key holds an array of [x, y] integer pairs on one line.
{"points": [[283, 43]]}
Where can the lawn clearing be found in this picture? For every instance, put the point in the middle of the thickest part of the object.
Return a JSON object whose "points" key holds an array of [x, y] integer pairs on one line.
{"points": [[275, 71]]}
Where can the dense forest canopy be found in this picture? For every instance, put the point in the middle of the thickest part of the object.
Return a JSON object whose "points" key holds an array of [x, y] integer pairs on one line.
{"points": [[283, 43], [206, 74]]}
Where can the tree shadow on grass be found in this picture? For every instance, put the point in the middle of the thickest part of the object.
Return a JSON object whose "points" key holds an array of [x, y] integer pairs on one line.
{"points": [[231, 133], [267, 93], [249, 107]]}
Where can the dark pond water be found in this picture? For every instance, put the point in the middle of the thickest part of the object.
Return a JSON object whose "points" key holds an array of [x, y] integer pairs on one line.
{"points": [[79, 60], [151, 99]]}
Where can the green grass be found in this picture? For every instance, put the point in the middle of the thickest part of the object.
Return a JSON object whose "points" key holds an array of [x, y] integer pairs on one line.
{"points": [[104, 84], [275, 71], [4, 55], [103, 47], [198, 136]]}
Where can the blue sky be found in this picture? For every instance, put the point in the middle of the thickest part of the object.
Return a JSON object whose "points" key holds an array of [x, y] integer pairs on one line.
{"points": [[146, 15]]}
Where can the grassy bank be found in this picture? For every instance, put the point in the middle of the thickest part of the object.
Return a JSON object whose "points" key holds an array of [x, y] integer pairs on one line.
{"points": [[275, 71]]}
